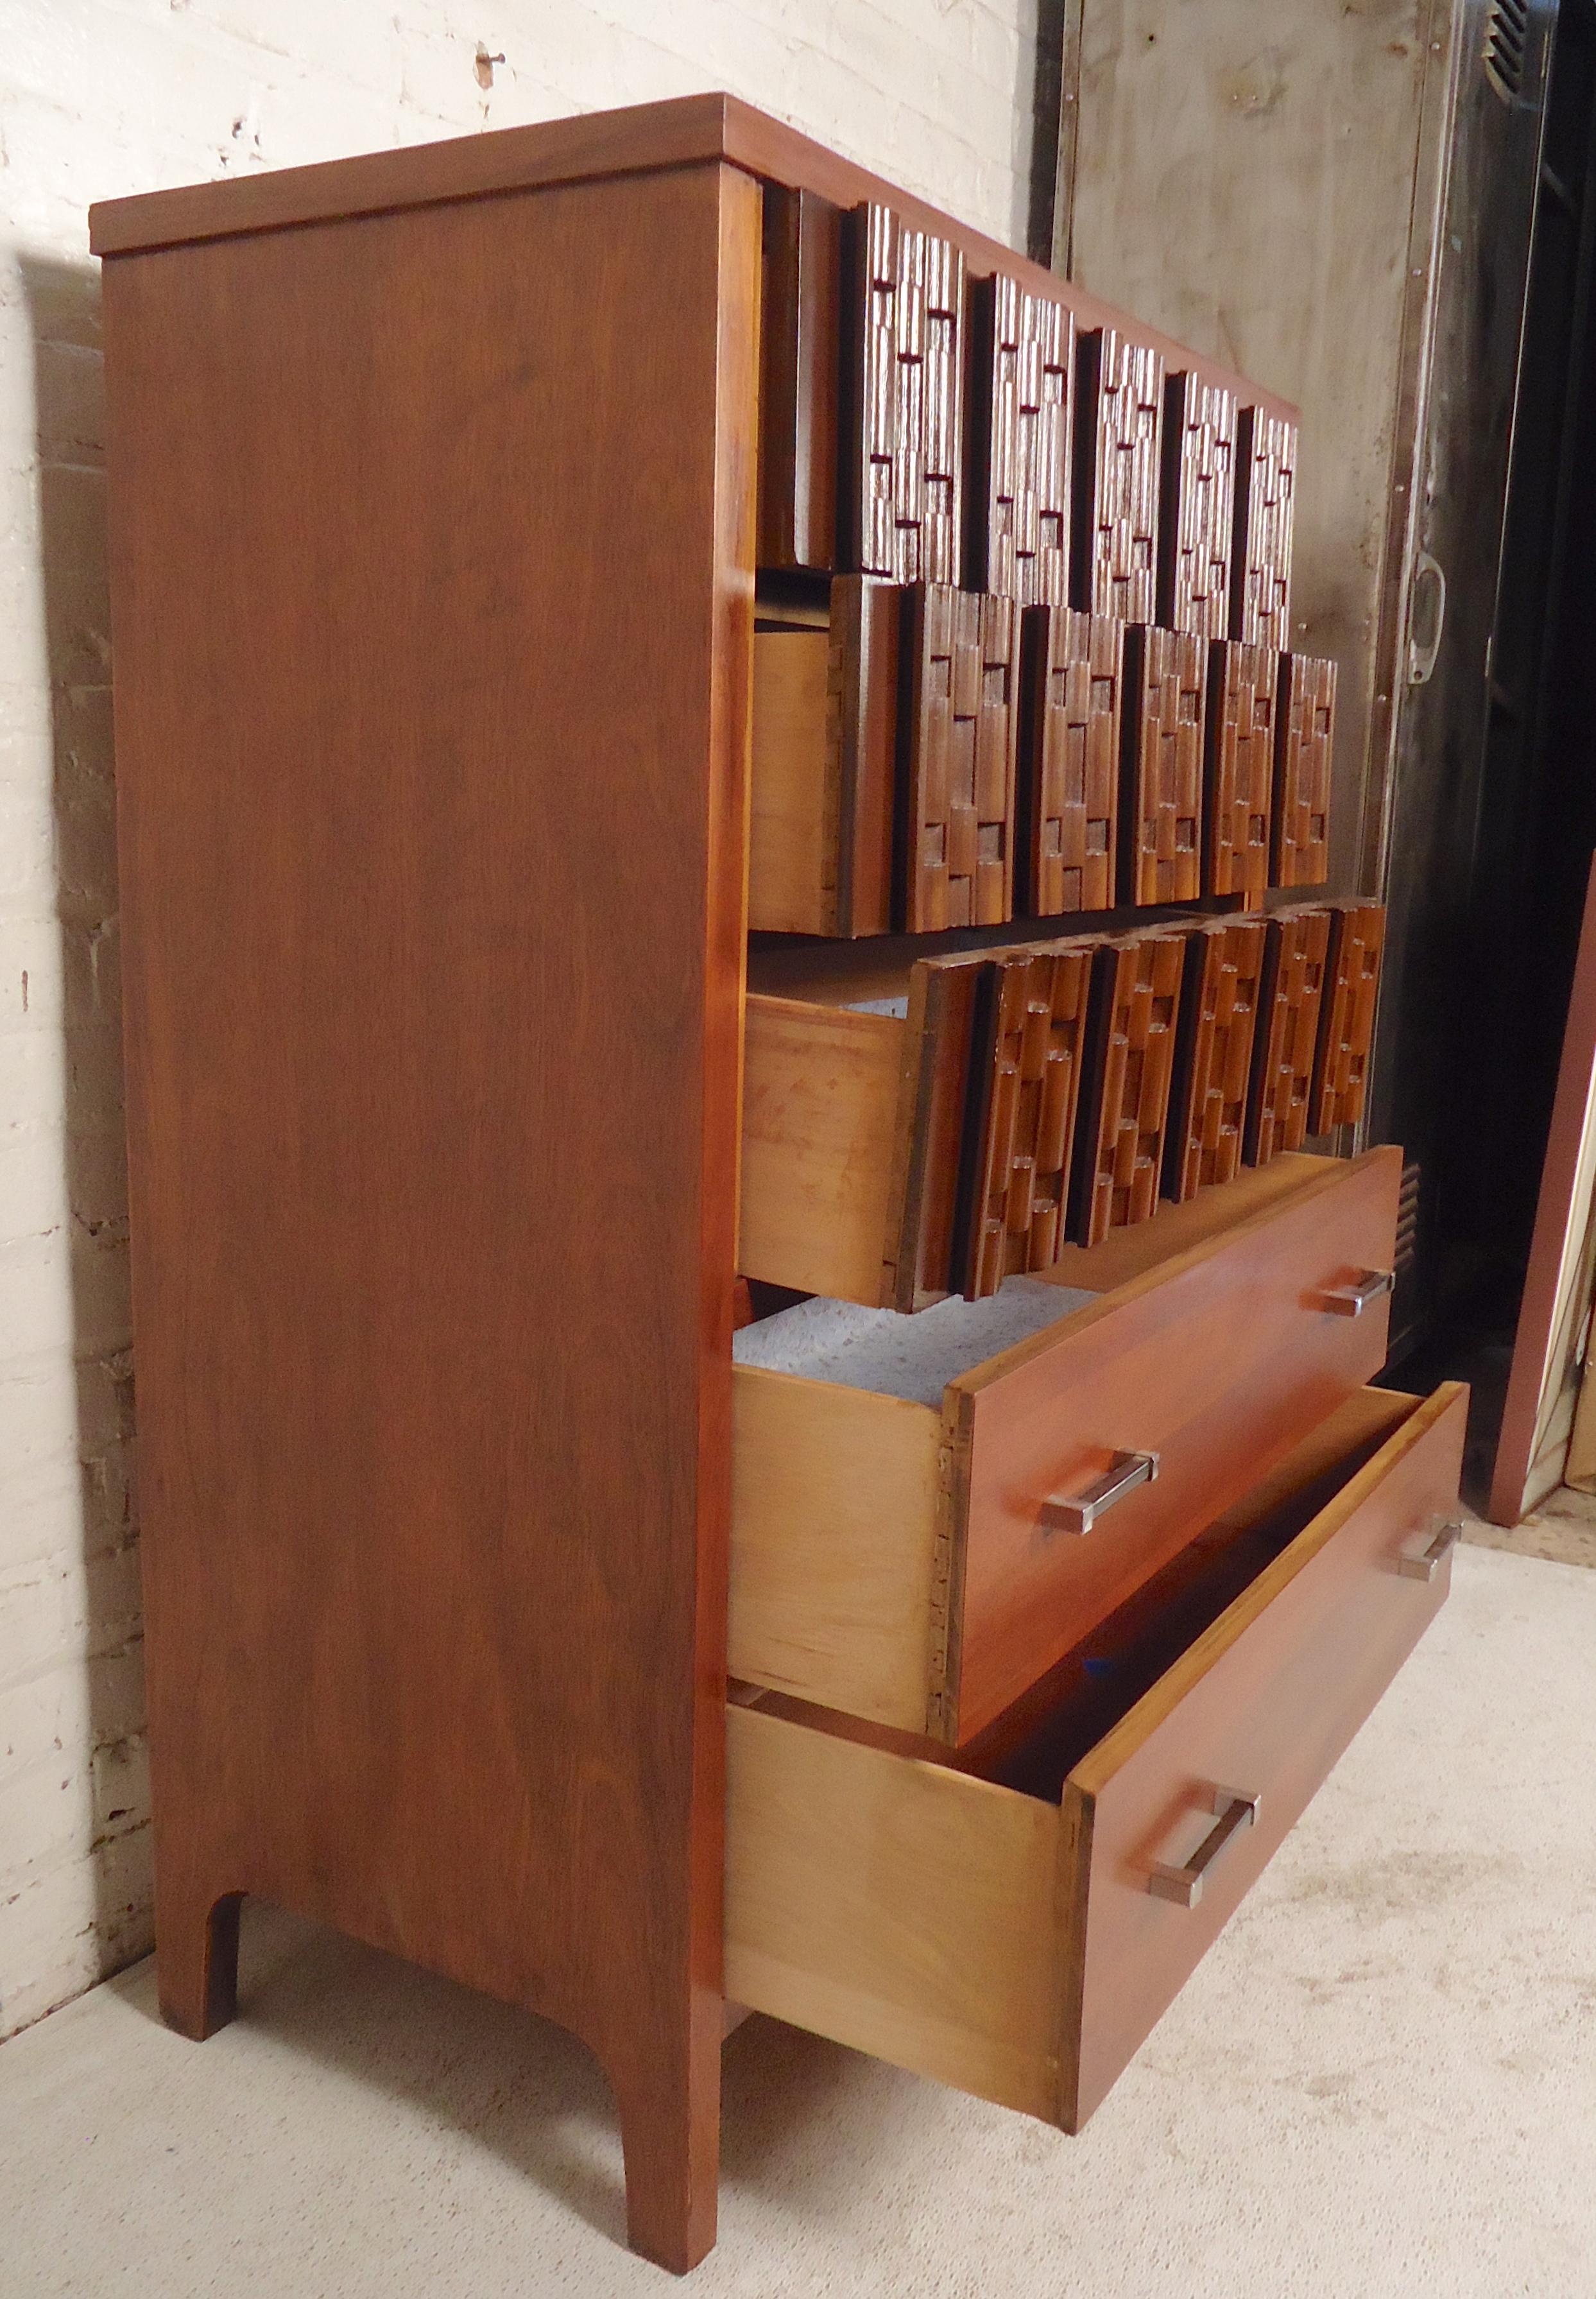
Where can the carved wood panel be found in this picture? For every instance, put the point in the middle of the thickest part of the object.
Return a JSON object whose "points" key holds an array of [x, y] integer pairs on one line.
{"points": [[1117, 425], [1196, 506], [1304, 739], [1291, 990], [1347, 1018], [1165, 684], [900, 420], [946, 1015], [1239, 767], [1041, 999], [1068, 769], [1213, 1055], [800, 289], [957, 754], [1022, 396], [1266, 456], [1125, 1099]]}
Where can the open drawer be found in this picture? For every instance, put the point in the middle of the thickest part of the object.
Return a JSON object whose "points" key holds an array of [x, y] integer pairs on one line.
{"points": [[920, 1122], [1020, 1934], [929, 1512], [916, 1129]]}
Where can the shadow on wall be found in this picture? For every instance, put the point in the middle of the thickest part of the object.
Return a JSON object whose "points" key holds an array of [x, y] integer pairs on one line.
{"points": [[64, 307]]}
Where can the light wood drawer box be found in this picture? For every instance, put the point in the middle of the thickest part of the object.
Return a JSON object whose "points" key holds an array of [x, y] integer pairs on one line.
{"points": [[1008, 1940], [913, 1131], [892, 1557]]}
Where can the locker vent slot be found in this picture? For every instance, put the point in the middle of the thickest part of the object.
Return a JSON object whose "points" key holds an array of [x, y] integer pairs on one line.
{"points": [[1507, 34], [1407, 1221]]}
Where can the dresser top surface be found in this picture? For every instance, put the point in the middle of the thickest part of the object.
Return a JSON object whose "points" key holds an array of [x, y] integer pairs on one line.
{"points": [[685, 131]]}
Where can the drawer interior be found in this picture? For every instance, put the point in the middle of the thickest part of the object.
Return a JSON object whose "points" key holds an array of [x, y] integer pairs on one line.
{"points": [[1036, 1744], [988, 1916], [930, 1117], [847, 1346], [892, 1552], [1038, 1741]]}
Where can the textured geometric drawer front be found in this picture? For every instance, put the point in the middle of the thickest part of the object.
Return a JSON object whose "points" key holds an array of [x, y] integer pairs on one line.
{"points": [[1042, 1001], [1117, 432], [1347, 1021], [1266, 456], [1166, 677], [1208, 1098], [798, 386], [903, 331], [1239, 772], [957, 784], [1304, 739], [1069, 762], [1197, 506], [1296, 945], [1022, 361], [1136, 1003]]}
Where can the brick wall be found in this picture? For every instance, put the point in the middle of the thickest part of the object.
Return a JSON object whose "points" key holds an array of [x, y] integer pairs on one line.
{"points": [[98, 98]]}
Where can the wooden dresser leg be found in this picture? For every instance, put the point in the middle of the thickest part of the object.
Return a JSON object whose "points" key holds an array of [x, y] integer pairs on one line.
{"points": [[196, 1964], [671, 2139]]}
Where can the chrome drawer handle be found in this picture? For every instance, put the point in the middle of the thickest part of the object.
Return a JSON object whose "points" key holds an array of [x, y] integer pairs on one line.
{"points": [[1184, 1886], [1351, 1300], [1426, 1566], [1079, 1511]]}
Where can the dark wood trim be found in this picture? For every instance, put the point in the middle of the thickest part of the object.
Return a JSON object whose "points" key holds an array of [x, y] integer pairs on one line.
{"points": [[1545, 1343]]}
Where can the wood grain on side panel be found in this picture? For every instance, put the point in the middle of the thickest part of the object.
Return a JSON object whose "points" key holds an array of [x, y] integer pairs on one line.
{"points": [[432, 1214]]}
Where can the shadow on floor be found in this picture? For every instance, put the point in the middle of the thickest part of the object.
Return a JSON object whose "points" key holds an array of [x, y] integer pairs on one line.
{"points": [[522, 2087]]}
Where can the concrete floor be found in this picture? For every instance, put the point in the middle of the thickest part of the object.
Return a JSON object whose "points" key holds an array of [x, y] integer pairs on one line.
{"points": [[1382, 2081]]}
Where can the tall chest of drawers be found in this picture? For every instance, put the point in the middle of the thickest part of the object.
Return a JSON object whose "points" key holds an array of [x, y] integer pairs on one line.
{"points": [[942, 1694]]}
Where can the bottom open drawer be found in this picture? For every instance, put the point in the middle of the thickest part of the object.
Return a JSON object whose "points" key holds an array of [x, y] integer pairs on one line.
{"points": [[1016, 1926]]}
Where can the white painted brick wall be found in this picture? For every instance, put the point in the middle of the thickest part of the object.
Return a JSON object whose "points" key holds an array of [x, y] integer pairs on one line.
{"points": [[98, 98]]}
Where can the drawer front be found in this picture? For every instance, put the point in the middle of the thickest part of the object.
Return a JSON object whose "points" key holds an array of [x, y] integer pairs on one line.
{"points": [[1010, 1943], [1261, 1707], [1218, 1365]]}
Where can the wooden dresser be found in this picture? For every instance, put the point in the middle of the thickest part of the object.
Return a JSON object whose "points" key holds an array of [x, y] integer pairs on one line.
{"points": [[939, 1665]]}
